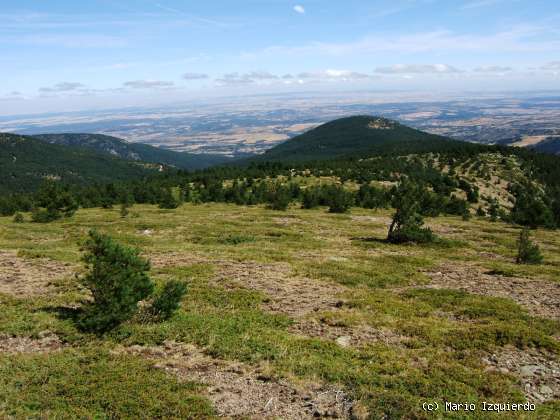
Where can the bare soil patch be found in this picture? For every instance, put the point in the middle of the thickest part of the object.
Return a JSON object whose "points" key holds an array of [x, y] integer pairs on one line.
{"points": [[21, 277], [381, 219], [175, 259], [293, 296], [286, 221], [47, 342], [354, 336], [537, 370], [540, 297], [242, 391]]}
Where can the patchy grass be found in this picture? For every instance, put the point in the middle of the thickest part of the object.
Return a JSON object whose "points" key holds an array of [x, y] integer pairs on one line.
{"points": [[444, 332], [91, 383]]}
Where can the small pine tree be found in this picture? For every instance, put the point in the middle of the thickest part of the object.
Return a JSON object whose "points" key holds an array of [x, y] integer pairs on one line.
{"points": [[167, 200], [494, 210], [126, 200], [117, 279], [44, 215], [124, 210], [407, 224], [279, 199], [310, 199], [18, 218], [527, 251], [339, 200], [54, 201], [168, 300]]}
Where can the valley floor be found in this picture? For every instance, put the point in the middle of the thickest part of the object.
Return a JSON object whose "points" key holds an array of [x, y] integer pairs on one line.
{"points": [[295, 314]]}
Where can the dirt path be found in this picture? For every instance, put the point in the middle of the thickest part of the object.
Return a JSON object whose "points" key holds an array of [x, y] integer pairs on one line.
{"points": [[240, 391], [21, 277], [540, 297]]}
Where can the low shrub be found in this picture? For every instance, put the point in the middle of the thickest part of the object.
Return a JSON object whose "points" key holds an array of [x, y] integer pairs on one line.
{"points": [[527, 251], [117, 279], [168, 300]]}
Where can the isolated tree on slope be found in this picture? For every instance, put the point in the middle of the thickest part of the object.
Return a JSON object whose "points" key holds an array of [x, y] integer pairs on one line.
{"points": [[527, 251], [117, 279], [407, 224]]}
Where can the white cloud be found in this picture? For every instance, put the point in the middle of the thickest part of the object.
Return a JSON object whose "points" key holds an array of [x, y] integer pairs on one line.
{"points": [[334, 75], [62, 87], [417, 68], [298, 8], [493, 69], [195, 76], [553, 65], [148, 84], [237, 79], [234, 79], [261, 75], [266, 78]]}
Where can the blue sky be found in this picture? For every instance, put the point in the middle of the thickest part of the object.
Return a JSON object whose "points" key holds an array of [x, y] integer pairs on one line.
{"points": [[66, 54]]}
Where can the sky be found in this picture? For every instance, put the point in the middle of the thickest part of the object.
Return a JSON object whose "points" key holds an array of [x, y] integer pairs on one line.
{"points": [[63, 55]]}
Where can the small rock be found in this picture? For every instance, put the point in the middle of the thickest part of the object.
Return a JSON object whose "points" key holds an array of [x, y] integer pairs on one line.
{"points": [[44, 334], [539, 397], [344, 341], [546, 390], [529, 370]]}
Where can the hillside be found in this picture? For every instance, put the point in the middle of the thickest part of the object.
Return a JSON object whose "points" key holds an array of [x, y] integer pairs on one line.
{"points": [[26, 161], [134, 151], [310, 310], [298, 304], [550, 145], [357, 136]]}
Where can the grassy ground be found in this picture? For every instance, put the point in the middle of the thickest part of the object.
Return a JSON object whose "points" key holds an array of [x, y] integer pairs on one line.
{"points": [[435, 338]]}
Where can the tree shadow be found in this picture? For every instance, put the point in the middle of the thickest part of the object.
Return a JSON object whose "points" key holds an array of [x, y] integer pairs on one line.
{"points": [[370, 239], [63, 312]]}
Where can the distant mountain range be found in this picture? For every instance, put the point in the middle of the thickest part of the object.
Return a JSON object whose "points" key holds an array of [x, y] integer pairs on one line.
{"points": [[134, 151], [81, 158]]}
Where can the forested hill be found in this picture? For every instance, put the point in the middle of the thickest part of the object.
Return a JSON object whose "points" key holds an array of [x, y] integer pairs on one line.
{"points": [[358, 136], [134, 151], [551, 146], [25, 162]]}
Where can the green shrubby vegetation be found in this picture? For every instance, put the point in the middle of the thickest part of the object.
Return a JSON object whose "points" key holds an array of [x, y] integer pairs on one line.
{"points": [[441, 334], [527, 251], [18, 218], [446, 173], [407, 224], [118, 280], [167, 301]]}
